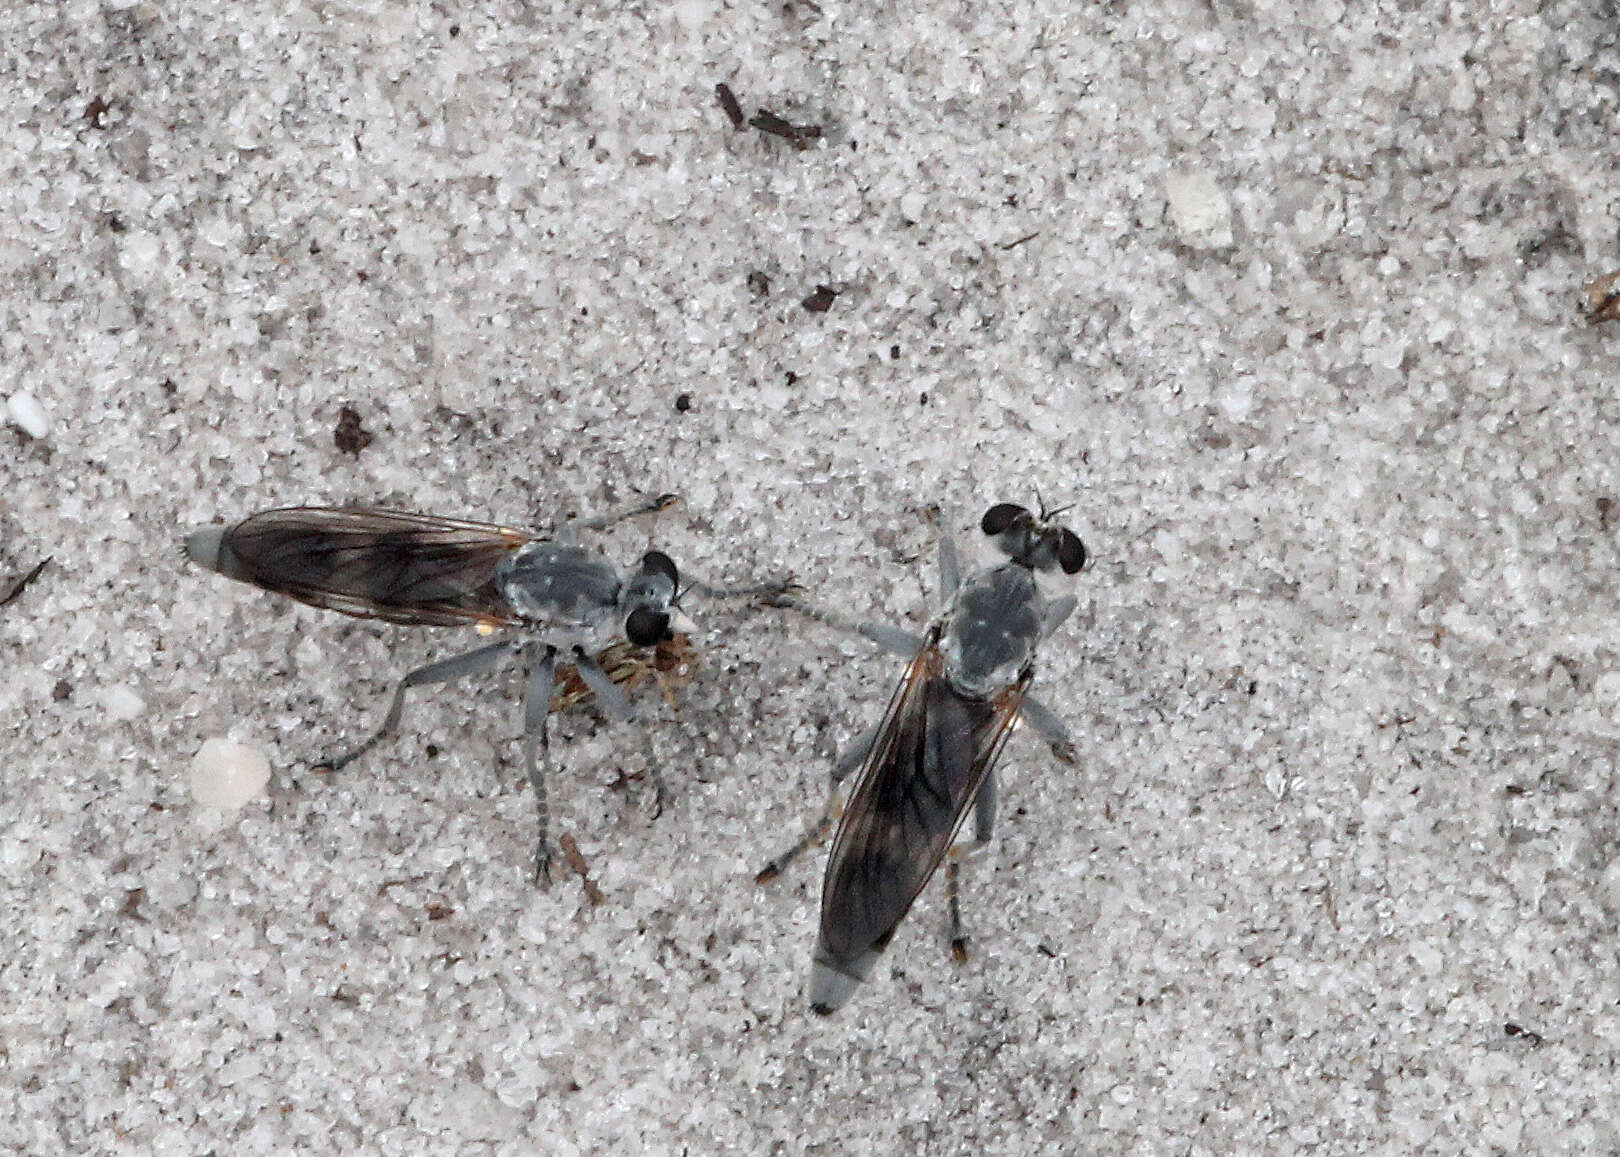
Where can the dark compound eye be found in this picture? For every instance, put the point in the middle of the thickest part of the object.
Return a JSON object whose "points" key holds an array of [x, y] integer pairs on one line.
{"points": [[1000, 516], [1071, 552], [646, 627], [657, 562]]}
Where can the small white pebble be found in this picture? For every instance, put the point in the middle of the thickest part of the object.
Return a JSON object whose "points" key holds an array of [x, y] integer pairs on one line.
{"points": [[226, 774], [240, 1068], [121, 702], [693, 14], [1200, 210], [25, 411]]}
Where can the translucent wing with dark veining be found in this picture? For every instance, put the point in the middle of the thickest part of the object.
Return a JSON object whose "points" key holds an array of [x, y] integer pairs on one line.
{"points": [[373, 564], [932, 753]]}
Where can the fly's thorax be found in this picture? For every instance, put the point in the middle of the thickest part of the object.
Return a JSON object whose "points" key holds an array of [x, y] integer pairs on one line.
{"points": [[992, 628], [559, 583]]}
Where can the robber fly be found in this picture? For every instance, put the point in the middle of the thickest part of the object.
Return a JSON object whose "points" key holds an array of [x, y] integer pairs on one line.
{"points": [[422, 570], [933, 757]]}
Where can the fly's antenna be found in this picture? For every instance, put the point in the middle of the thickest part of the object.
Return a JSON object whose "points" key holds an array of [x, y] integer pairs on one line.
{"points": [[1049, 515]]}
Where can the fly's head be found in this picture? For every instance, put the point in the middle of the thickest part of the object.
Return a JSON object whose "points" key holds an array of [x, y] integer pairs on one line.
{"points": [[650, 601], [1034, 540]]}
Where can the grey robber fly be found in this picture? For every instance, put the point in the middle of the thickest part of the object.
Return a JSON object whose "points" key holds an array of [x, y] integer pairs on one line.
{"points": [[933, 757], [422, 570]]}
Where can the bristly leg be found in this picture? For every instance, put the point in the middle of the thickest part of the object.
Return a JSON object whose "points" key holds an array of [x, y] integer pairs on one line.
{"points": [[536, 706]]}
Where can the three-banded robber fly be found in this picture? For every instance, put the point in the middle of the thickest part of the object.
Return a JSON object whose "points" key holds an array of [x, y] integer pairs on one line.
{"points": [[933, 756], [422, 570]]}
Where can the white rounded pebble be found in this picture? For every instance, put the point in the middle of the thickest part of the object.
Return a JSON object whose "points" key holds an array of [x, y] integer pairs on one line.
{"points": [[1200, 210], [692, 14], [121, 702], [226, 774], [25, 411]]}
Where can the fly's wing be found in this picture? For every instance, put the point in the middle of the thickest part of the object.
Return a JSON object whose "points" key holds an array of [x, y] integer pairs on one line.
{"points": [[373, 564], [932, 753]]}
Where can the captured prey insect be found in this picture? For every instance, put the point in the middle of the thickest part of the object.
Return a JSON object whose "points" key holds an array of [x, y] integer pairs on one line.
{"points": [[423, 570], [933, 756]]}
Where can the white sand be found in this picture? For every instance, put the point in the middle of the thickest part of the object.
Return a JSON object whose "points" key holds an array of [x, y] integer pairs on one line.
{"points": [[1345, 676]]}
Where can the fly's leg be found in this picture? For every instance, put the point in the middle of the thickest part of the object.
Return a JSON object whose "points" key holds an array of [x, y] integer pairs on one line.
{"points": [[950, 571], [769, 591], [818, 829], [984, 826], [444, 671], [612, 518], [609, 696], [1049, 727], [536, 706], [891, 639], [567, 531], [1054, 614], [611, 699]]}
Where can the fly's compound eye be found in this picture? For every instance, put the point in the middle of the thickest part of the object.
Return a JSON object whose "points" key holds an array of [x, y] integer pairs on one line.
{"points": [[659, 563], [646, 627], [1071, 552], [999, 517]]}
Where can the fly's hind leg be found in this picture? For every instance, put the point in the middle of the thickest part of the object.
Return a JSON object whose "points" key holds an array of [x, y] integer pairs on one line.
{"points": [[444, 671], [823, 823], [984, 826]]}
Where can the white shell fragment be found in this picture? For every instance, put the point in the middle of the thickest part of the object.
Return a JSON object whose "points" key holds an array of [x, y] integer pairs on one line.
{"points": [[25, 412], [1199, 209], [226, 774]]}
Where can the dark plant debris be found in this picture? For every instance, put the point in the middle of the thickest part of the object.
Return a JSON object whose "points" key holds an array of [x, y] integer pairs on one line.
{"points": [[21, 584], [821, 300], [800, 135], [728, 103], [1603, 299], [351, 436]]}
